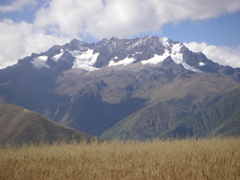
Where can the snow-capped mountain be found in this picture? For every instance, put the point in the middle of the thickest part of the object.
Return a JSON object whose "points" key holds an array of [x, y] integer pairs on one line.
{"points": [[135, 88], [147, 50], [115, 52]]}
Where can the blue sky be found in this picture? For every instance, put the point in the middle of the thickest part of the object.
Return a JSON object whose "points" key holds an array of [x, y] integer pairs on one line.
{"points": [[28, 26], [221, 31]]}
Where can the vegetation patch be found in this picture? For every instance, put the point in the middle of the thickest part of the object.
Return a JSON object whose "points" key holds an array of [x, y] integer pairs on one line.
{"points": [[213, 158]]}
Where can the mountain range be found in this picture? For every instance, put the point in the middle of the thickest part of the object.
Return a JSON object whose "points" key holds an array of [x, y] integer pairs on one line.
{"points": [[129, 88]]}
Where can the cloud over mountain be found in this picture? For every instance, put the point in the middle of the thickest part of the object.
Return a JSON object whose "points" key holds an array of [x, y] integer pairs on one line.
{"points": [[21, 39], [58, 21], [220, 54], [125, 18]]}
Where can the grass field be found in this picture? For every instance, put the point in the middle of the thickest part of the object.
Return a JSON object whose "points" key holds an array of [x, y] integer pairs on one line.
{"points": [[210, 159]]}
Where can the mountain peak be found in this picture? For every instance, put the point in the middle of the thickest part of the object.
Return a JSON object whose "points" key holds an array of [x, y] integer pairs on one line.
{"points": [[139, 88], [114, 52], [77, 42], [165, 42]]}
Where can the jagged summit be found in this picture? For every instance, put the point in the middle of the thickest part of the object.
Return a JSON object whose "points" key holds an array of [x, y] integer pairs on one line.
{"points": [[114, 52], [135, 88]]}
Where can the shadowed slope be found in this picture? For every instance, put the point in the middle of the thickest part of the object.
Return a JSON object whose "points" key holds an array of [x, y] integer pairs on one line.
{"points": [[19, 125]]}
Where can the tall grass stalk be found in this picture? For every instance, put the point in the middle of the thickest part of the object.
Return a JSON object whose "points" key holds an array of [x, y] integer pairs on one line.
{"points": [[154, 159]]}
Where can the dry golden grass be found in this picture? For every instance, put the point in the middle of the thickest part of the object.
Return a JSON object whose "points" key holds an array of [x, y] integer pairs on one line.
{"points": [[216, 159]]}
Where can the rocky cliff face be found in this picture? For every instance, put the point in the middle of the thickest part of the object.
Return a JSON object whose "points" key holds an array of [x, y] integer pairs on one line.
{"points": [[133, 88]]}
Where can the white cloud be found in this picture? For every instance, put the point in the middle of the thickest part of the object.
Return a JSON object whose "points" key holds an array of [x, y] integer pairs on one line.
{"points": [[67, 17], [18, 40], [178, 10], [58, 21], [40, 62], [17, 5], [221, 54], [125, 18]]}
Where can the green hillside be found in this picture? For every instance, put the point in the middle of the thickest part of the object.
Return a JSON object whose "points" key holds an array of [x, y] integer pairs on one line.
{"points": [[222, 118], [202, 106], [19, 125]]}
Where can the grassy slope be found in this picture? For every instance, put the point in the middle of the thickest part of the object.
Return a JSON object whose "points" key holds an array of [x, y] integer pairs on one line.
{"points": [[176, 159], [19, 125], [172, 103], [221, 118]]}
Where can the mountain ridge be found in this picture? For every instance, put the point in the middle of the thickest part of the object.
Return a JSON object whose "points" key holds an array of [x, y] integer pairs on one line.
{"points": [[20, 126], [99, 87], [117, 52]]}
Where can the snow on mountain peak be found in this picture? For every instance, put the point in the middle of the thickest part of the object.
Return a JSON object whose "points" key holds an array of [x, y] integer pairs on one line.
{"points": [[177, 57], [57, 56], [116, 52], [84, 60], [157, 58], [141, 41], [124, 62], [40, 62], [165, 42], [176, 54]]}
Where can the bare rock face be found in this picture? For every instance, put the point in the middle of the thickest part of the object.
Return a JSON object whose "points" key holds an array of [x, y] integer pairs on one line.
{"points": [[133, 88]]}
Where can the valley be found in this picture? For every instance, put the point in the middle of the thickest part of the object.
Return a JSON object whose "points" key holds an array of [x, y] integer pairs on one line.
{"points": [[140, 88]]}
